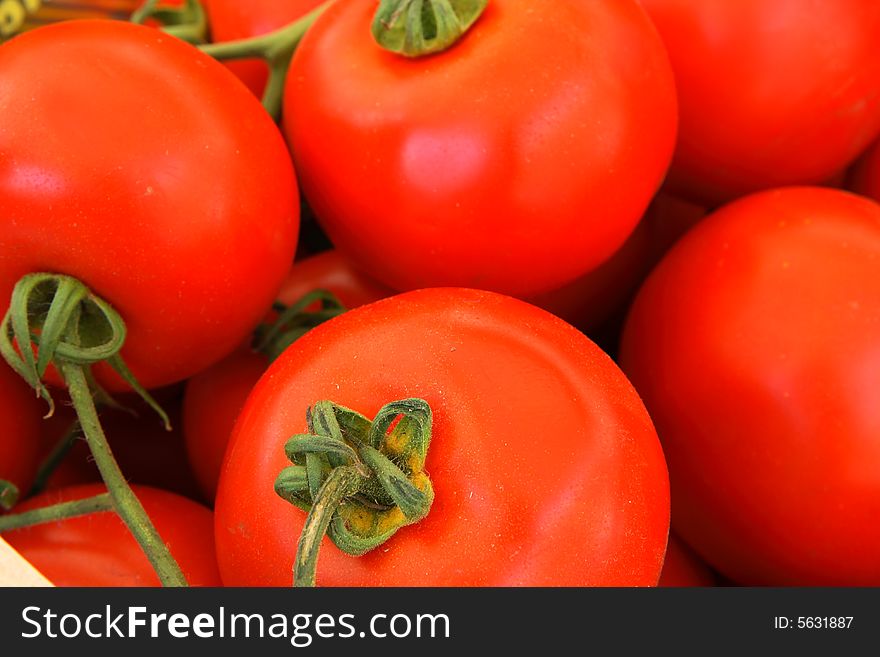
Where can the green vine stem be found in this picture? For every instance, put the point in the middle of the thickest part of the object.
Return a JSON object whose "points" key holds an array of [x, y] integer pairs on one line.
{"points": [[342, 483], [63, 511], [188, 23], [9, 495], [13, 15], [55, 457], [276, 48], [415, 28], [294, 321], [359, 481], [73, 329]]}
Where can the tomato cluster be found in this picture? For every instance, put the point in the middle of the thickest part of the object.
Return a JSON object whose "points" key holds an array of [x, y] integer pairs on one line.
{"points": [[497, 299]]}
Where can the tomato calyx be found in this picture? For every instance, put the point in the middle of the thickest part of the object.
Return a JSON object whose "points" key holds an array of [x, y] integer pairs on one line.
{"points": [[188, 23], [360, 481], [9, 495], [275, 48], [70, 327], [14, 14], [415, 28], [295, 321]]}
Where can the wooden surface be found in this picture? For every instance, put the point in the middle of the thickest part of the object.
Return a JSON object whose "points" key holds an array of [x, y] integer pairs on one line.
{"points": [[15, 571]]}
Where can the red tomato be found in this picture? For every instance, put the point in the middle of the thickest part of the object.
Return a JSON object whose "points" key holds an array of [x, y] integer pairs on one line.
{"points": [[682, 567], [517, 160], [755, 346], [331, 271], [771, 92], [143, 168], [545, 466], [98, 550], [215, 397], [20, 414], [232, 19]]}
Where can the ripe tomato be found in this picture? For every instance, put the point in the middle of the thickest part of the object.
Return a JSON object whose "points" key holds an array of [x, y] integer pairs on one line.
{"points": [[143, 168], [19, 430], [682, 567], [771, 92], [333, 272], [755, 346], [98, 550], [230, 20], [215, 396], [545, 466], [517, 160]]}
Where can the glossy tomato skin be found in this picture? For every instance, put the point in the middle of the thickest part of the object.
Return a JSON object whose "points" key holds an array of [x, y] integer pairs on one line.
{"points": [[771, 92], [215, 397], [515, 161], [545, 466], [755, 347], [143, 168], [97, 550], [20, 416], [231, 20]]}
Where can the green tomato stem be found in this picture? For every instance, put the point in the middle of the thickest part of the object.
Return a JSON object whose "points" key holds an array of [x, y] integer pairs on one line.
{"points": [[359, 481], [125, 502], [56, 512], [294, 321], [9, 495], [55, 457], [73, 329], [188, 23], [275, 48], [342, 483], [416, 28]]}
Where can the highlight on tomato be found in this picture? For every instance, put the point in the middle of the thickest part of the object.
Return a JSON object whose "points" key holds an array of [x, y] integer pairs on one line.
{"points": [[147, 223], [185, 158], [517, 159], [754, 346], [477, 440]]}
